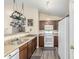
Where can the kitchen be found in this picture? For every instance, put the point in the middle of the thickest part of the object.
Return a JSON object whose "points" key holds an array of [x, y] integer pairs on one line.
{"points": [[31, 30]]}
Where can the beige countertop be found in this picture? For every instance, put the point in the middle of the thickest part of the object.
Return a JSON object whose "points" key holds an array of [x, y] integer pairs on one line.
{"points": [[9, 47], [55, 33]]}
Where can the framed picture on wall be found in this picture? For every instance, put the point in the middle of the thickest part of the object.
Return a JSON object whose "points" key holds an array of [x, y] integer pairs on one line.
{"points": [[30, 22]]}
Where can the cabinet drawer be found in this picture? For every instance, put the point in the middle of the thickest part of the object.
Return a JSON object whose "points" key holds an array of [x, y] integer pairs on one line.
{"points": [[22, 47]]}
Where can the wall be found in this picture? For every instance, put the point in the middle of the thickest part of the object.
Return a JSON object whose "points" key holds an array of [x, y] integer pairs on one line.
{"points": [[71, 22], [29, 12], [9, 7], [71, 29], [48, 17], [7, 19]]}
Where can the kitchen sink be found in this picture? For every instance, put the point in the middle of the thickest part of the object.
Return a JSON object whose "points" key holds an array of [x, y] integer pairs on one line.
{"points": [[16, 41]]}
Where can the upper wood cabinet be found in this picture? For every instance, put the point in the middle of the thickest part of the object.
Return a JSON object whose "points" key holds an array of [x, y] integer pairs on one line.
{"points": [[49, 22], [23, 52], [41, 41]]}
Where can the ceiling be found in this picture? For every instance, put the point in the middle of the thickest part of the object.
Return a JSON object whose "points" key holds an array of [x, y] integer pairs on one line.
{"points": [[55, 7], [58, 8]]}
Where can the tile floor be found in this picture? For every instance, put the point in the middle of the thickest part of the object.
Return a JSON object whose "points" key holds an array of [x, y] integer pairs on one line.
{"points": [[45, 53]]}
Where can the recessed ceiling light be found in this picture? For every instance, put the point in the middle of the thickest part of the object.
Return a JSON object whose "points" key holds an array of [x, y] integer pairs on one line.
{"points": [[47, 2]]}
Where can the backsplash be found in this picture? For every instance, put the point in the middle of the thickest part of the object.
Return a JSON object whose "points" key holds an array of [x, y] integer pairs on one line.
{"points": [[18, 35]]}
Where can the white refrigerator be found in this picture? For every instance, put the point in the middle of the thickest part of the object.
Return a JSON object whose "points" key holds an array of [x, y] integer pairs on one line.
{"points": [[48, 36], [63, 34]]}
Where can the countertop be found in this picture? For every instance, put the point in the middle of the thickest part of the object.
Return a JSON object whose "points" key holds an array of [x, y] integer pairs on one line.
{"points": [[9, 47], [55, 33]]}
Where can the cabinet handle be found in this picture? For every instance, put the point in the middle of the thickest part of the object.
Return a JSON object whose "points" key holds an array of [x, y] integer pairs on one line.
{"points": [[9, 57]]}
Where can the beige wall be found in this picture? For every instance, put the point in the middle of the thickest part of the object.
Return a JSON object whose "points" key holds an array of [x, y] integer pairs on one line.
{"points": [[71, 29], [48, 17], [30, 13], [7, 19], [71, 22]]}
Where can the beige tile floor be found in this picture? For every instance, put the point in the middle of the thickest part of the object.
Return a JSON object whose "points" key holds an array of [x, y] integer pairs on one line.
{"points": [[45, 53]]}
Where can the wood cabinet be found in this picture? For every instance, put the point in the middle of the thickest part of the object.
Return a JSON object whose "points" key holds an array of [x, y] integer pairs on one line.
{"points": [[26, 50], [55, 41], [48, 22], [34, 44], [23, 52], [31, 47], [41, 41]]}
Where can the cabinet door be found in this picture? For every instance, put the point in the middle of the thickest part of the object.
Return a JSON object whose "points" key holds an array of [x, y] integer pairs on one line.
{"points": [[29, 49], [41, 41], [35, 43], [23, 52], [55, 41]]}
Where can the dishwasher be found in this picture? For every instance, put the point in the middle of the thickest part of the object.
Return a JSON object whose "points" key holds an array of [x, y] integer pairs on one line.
{"points": [[13, 55]]}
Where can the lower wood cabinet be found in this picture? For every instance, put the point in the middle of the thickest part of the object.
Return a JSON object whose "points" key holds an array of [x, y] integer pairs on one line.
{"points": [[34, 44], [23, 52], [41, 41], [31, 47], [26, 50], [55, 41]]}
